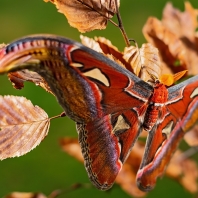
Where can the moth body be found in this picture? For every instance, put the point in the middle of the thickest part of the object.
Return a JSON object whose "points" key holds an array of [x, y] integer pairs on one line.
{"points": [[156, 106]]}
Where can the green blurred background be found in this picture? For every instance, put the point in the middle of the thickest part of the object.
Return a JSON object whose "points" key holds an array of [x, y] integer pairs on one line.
{"points": [[47, 167]]}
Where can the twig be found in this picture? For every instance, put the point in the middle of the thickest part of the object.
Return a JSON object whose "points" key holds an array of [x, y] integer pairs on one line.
{"points": [[134, 41], [76, 186], [63, 114], [121, 27]]}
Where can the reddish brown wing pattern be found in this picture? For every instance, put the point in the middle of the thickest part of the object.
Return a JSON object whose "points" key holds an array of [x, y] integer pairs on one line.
{"points": [[94, 91], [106, 143], [107, 140], [164, 138]]}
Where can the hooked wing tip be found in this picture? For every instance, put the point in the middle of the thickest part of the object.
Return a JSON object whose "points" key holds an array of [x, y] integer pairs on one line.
{"points": [[142, 187], [143, 182]]}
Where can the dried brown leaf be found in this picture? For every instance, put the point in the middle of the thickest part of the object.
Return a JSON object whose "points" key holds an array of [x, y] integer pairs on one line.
{"points": [[185, 171], [182, 24], [72, 147], [91, 43], [19, 77], [86, 15], [112, 52], [171, 49], [25, 195], [23, 126], [175, 37], [127, 176], [192, 136], [127, 181], [108, 48], [144, 61], [104, 46]]}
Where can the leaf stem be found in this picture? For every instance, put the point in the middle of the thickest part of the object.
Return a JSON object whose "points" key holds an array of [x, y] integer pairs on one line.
{"points": [[121, 27], [63, 114]]}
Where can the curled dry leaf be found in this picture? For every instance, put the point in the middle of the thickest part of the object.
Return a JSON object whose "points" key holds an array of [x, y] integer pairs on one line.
{"points": [[25, 195], [185, 171], [108, 48], [145, 61], [19, 77], [175, 37], [23, 126], [87, 15], [91, 43]]}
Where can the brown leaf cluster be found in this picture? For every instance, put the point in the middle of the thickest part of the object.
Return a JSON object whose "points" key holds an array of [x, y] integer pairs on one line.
{"points": [[144, 62], [176, 38], [87, 15], [22, 126]]}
